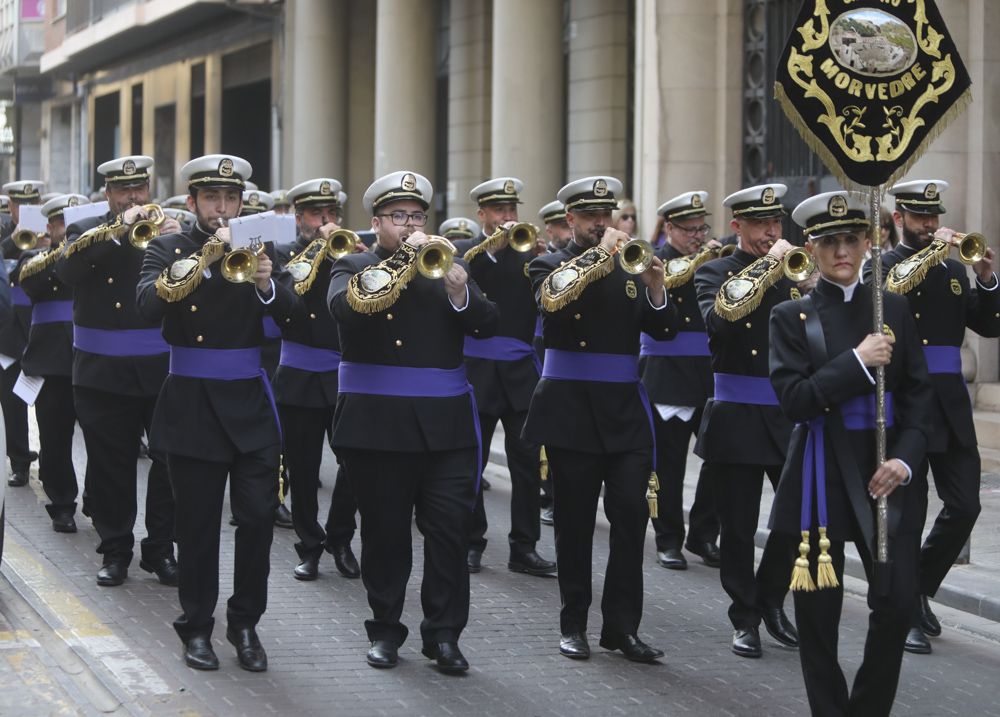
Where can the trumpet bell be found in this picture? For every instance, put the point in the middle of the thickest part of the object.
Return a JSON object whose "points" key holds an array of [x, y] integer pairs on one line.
{"points": [[636, 256], [726, 249], [239, 266], [25, 240], [521, 237], [434, 260], [798, 264], [341, 243], [971, 247], [144, 230]]}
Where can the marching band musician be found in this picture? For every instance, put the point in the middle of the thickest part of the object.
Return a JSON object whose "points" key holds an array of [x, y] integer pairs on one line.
{"points": [[822, 367], [14, 335], [677, 374], [405, 426], [256, 202], [215, 416], [503, 370], [282, 205], [592, 416], [119, 363], [557, 229], [305, 384], [459, 228], [49, 355], [743, 433], [943, 305]]}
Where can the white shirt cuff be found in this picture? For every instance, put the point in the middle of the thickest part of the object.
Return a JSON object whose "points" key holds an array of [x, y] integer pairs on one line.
{"points": [[988, 288], [464, 306], [666, 298], [261, 296], [863, 367], [490, 255], [909, 472]]}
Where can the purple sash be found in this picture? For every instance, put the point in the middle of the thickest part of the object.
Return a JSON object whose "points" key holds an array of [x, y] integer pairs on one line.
{"points": [[50, 312], [736, 388], [18, 297], [308, 358], [500, 348], [124, 342], [271, 330], [686, 343], [538, 327], [943, 359]]}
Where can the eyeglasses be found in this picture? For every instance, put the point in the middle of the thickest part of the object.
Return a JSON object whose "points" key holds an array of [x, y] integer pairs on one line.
{"points": [[417, 219], [693, 231]]}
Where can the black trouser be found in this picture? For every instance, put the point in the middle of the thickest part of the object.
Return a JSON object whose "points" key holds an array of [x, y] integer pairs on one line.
{"points": [[672, 440], [957, 481], [737, 488], [305, 433], [817, 618], [525, 502], [112, 426], [578, 479], [15, 416], [199, 490], [388, 487], [56, 423]]}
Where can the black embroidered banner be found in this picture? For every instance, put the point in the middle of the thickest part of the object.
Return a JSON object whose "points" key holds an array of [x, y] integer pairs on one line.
{"points": [[869, 84]]}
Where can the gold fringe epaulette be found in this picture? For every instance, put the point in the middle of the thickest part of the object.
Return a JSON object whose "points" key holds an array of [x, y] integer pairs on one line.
{"points": [[39, 262], [679, 271], [741, 294], [487, 244], [907, 274], [377, 287], [567, 282], [103, 232], [183, 276], [304, 266]]}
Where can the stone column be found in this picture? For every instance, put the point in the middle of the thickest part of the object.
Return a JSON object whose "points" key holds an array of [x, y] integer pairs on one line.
{"points": [[405, 40], [213, 103], [360, 110], [182, 126], [125, 120], [527, 108]]}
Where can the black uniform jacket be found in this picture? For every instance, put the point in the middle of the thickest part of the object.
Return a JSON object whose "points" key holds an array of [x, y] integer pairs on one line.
{"points": [[313, 325], [49, 351], [740, 432], [7, 246], [595, 416], [679, 380], [808, 391], [104, 275], [204, 418], [14, 325], [422, 330], [500, 384], [944, 305]]}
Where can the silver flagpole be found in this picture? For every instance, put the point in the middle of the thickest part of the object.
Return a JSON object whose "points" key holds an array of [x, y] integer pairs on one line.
{"points": [[882, 515]]}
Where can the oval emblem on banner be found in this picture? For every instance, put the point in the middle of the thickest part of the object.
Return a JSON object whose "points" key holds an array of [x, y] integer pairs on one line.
{"points": [[872, 43]]}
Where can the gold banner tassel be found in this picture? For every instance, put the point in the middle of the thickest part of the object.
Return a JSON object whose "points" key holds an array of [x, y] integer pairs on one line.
{"points": [[281, 479], [801, 579], [543, 464], [654, 485], [826, 577]]}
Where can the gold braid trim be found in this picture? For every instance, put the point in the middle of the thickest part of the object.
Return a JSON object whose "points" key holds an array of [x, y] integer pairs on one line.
{"points": [[741, 294], [680, 271], [183, 276], [39, 262], [304, 266], [103, 232], [907, 274], [486, 244], [377, 287], [567, 282]]}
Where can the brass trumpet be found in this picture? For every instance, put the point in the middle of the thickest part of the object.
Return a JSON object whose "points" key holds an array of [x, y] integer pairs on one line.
{"points": [[798, 264], [143, 231], [26, 239], [726, 250], [341, 243], [521, 237], [971, 247], [435, 258], [636, 256], [239, 265]]}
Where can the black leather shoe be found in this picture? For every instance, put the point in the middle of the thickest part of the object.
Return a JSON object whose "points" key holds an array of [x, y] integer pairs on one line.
{"points": [[474, 560], [382, 654], [198, 653], [112, 573], [531, 563], [450, 659], [672, 559], [343, 558], [547, 518], [249, 651], [574, 645], [308, 569], [780, 627], [708, 552], [282, 518], [928, 620], [18, 478], [164, 568], [64, 523], [746, 642], [485, 484], [632, 647], [917, 642]]}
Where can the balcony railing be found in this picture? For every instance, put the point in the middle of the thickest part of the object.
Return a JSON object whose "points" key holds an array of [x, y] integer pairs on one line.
{"points": [[81, 14], [22, 38]]}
